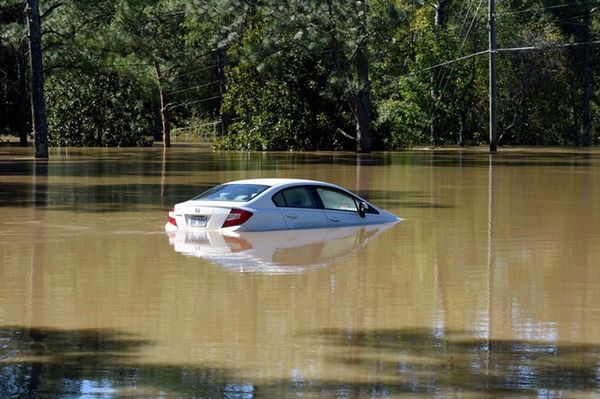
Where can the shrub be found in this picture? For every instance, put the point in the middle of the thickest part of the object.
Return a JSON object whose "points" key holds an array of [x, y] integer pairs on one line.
{"points": [[97, 109], [281, 109]]}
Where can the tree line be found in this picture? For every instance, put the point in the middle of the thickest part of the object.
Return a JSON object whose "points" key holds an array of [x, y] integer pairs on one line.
{"points": [[296, 74]]}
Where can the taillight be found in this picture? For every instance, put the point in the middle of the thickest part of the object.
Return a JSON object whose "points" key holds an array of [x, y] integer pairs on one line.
{"points": [[172, 217], [236, 217]]}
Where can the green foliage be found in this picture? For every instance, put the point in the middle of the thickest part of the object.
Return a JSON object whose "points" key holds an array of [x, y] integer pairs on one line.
{"points": [[402, 119], [295, 69], [403, 92], [96, 110], [14, 110], [336, 36], [280, 110]]}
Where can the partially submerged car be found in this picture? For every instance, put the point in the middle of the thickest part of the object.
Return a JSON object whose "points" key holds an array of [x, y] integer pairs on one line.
{"points": [[274, 204]]}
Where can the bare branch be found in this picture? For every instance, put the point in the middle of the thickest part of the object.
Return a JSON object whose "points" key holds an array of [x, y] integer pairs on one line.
{"points": [[24, 39], [167, 72], [53, 32], [50, 45], [360, 44], [51, 68], [50, 10], [346, 134]]}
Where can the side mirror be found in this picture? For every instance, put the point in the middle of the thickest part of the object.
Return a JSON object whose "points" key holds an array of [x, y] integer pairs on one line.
{"points": [[362, 209]]}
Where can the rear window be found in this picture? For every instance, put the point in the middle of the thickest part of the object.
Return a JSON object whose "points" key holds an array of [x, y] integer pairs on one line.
{"points": [[232, 192], [294, 197]]}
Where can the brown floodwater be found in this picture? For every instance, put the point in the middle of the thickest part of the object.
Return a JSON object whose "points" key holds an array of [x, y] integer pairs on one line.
{"points": [[489, 286]]}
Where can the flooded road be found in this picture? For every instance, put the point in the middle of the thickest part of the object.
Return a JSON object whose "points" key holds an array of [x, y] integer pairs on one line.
{"points": [[490, 286]]}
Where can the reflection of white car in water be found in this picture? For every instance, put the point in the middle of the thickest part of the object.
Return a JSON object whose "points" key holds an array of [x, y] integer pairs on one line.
{"points": [[274, 204], [289, 251]]}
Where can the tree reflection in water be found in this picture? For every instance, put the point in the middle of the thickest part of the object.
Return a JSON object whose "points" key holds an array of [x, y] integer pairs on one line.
{"points": [[438, 361], [419, 362], [48, 363]]}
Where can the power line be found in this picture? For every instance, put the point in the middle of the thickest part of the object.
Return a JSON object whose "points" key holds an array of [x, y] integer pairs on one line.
{"points": [[467, 11], [195, 87], [124, 65], [548, 47], [503, 50], [506, 49], [197, 126], [197, 70], [471, 25], [195, 102], [440, 75], [562, 20], [442, 72], [533, 10], [466, 57], [463, 44]]}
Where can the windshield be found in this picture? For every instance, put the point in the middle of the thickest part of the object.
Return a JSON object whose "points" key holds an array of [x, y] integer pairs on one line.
{"points": [[232, 192]]}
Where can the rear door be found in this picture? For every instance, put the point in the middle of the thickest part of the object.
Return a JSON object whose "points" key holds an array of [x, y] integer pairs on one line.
{"points": [[299, 208]]}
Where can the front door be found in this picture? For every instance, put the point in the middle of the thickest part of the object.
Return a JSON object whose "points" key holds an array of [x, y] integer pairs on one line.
{"points": [[340, 208]]}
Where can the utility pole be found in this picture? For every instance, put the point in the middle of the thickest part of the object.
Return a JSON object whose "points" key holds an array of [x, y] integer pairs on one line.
{"points": [[492, 82], [587, 77]]}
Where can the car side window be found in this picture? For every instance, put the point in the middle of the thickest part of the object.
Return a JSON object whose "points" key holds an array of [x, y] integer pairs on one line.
{"points": [[279, 200], [294, 197], [336, 200]]}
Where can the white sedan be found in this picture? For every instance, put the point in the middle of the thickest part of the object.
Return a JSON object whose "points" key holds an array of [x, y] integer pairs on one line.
{"points": [[274, 204]]}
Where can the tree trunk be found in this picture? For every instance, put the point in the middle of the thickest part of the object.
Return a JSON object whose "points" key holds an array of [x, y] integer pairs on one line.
{"points": [[361, 106], [435, 128], [574, 103], [166, 124], [38, 106], [360, 102], [23, 115], [465, 105], [463, 122], [221, 62], [164, 108], [440, 12], [587, 78]]}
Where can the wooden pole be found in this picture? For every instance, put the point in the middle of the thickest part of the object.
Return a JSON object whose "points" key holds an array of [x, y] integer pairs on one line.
{"points": [[492, 81], [587, 77]]}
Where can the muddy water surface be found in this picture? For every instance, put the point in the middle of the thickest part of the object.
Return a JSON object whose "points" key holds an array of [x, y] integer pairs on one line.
{"points": [[489, 286]]}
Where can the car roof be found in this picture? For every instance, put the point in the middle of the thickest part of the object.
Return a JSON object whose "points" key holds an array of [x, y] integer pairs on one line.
{"points": [[277, 181]]}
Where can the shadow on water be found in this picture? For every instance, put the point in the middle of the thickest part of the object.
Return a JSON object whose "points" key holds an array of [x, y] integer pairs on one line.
{"points": [[404, 199], [433, 361], [151, 163], [132, 197], [474, 158], [96, 198], [47, 363], [51, 363], [154, 163]]}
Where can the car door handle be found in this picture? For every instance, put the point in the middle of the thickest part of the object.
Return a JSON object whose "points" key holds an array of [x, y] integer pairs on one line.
{"points": [[290, 216], [334, 220]]}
